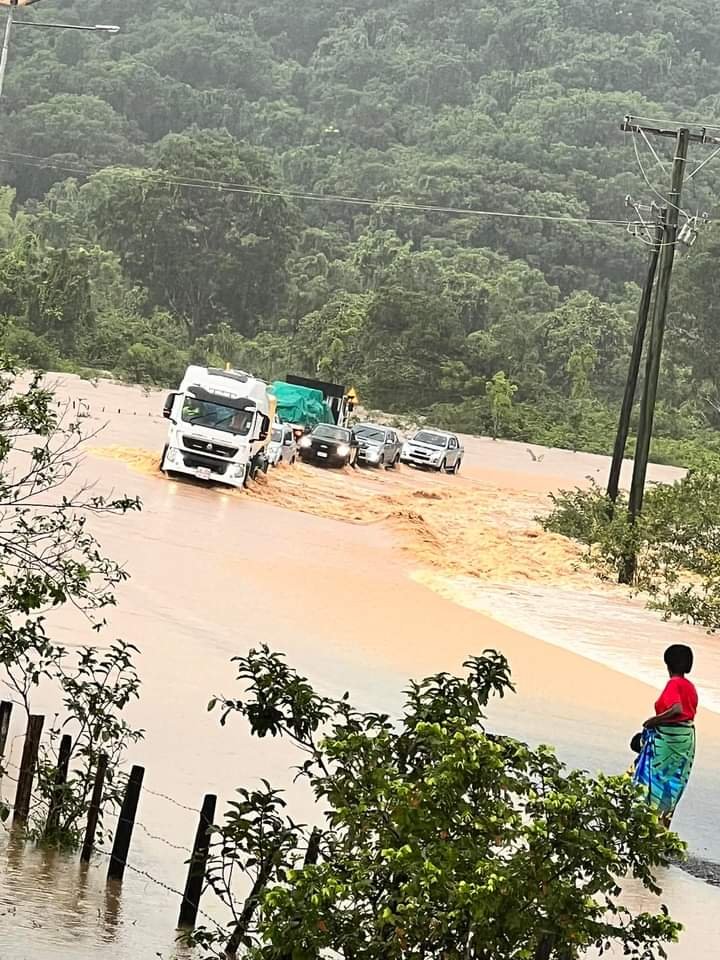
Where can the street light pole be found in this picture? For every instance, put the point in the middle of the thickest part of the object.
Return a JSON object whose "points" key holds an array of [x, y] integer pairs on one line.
{"points": [[12, 22], [5, 47]]}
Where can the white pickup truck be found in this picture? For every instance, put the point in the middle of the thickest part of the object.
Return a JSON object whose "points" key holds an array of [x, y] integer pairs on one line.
{"points": [[433, 449]]}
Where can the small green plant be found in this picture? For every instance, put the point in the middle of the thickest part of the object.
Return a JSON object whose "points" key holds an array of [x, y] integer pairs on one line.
{"points": [[96, 685], [50, 558], [676, 542]]}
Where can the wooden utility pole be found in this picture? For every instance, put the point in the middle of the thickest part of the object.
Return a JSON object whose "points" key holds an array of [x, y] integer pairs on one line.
{"points": [[633, 370], [657, 332], [666, 241]]}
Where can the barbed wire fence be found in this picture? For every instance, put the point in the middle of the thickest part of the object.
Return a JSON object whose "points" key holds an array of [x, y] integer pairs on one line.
{"points": [[193, 858]]}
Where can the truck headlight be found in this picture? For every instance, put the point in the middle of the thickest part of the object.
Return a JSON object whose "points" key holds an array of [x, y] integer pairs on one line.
{"points": [[172, 455], [305, 443], [343, 450]]}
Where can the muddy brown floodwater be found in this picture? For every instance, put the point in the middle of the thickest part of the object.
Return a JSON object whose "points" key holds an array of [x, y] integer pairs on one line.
{"points": [[433, 569]]}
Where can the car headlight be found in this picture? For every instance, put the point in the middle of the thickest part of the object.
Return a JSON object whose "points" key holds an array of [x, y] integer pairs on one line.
{"points": [[343, 450], [305, 443], [374, 454], [438, 455]]}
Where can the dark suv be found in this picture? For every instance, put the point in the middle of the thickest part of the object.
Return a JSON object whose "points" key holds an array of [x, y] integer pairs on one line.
{"points": [[336, 446]]}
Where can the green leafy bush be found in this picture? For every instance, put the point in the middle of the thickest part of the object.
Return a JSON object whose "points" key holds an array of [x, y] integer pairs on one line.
{"points": [[439, 840]]}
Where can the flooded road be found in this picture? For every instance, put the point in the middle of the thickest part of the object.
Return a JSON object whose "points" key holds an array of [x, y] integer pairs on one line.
{"points": [[433, 568]]}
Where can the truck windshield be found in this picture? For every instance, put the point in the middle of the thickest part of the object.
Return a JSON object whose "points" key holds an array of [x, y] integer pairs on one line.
{"points": [[276, 436], [204, 413], [432, 439]]}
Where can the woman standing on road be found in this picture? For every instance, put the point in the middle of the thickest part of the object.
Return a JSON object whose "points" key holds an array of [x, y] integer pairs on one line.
{"points": [[668, 745]]}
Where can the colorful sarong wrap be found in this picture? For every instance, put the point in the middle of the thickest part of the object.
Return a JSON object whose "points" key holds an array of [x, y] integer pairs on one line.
{"points": [[664, 765]]}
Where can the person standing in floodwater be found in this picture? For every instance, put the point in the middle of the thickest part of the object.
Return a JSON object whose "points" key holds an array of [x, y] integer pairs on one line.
{"points": [[668, 743]]}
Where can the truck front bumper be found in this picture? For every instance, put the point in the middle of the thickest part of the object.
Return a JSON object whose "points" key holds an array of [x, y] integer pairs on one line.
{"points": [[204, 468]]}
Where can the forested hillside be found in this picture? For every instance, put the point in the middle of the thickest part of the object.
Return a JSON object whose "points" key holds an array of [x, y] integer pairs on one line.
{"points": [[183, 191]]}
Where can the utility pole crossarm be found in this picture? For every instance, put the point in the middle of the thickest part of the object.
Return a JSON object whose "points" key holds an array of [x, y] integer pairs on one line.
{"points": [[632, 125]]}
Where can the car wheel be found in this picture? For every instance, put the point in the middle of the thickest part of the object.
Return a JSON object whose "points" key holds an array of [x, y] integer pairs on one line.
{"points": [[456, 468], [393, 465], [442, 467]]}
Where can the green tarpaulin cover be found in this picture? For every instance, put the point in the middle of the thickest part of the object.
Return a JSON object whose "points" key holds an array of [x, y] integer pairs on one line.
{"points": [[300, 405]]}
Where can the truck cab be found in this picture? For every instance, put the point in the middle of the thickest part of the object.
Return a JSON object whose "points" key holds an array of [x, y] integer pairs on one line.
{"points": [[219, 426]]}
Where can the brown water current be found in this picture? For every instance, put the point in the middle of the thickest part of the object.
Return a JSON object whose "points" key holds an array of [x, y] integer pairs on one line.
{"points": [[432, 569]]}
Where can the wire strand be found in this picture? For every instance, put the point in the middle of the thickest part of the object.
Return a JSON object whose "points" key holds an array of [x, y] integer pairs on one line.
{"points": [[258, 190], [645, 177]]}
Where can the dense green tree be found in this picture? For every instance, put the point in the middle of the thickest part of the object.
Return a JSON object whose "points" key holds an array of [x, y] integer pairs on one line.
{"points": [[208, 255]]}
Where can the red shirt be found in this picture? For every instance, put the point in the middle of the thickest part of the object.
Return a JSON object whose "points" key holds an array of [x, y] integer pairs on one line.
{"points": [[678, 690]]}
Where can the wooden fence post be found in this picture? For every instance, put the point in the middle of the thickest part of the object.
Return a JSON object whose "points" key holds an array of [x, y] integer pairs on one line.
{"points": [[198, 863], [126, 822], [61, 772], [27, 768], [94, 811], [5, 711]]}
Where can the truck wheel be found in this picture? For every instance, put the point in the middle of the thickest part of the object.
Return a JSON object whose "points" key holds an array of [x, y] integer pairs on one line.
{"points": [[247, 477], [162, 458], [442, 467], [393, 465], [456, 468]]}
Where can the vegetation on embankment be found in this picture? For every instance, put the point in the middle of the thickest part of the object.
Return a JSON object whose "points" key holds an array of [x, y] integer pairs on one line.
{"points": [[675, 542]]}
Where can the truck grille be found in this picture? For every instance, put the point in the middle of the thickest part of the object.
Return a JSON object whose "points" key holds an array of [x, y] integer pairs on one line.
{"points": [[420, 454], [194, 460], [213, 449]]}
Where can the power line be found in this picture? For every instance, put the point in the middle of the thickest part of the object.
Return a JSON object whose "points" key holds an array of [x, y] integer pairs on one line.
{"points": [[259, 190]]}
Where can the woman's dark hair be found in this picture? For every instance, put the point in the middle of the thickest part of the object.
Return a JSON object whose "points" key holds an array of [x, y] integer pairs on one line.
{"points": [[678, 658]]}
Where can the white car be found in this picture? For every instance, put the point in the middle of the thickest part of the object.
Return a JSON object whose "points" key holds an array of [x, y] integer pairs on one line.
{"points": [[435, 449], [282, 447]]}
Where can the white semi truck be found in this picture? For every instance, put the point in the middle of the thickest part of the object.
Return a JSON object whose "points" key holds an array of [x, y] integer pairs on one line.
{"points": [[219, 428]]}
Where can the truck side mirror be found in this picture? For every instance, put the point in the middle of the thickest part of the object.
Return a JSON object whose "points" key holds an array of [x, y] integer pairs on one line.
{"points": [[168, 405]]}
